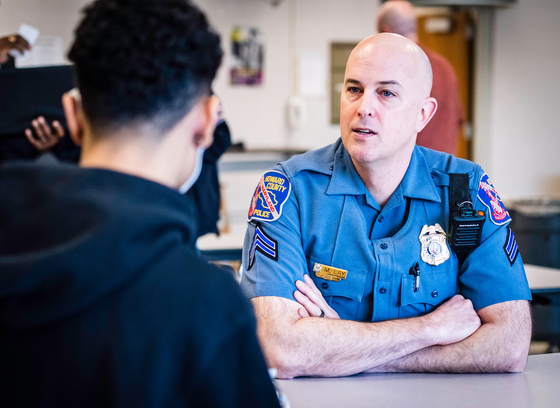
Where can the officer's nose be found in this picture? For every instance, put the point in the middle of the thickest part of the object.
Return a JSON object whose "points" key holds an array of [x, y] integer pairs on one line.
{"points": [[367, 106]]}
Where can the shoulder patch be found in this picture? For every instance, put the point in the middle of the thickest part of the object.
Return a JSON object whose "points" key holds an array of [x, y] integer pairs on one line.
{"points": [[488, 196], [511, 247], [265, 245], [270, 195]]}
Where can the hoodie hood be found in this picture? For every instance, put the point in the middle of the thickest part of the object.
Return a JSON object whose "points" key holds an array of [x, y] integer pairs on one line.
{"points": [[70, 236]]}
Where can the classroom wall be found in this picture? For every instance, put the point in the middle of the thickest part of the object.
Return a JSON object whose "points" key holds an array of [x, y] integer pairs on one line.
{"points": [[525, 143]]}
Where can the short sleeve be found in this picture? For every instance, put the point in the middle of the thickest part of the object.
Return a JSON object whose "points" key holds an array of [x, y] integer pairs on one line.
{"points": [[273, 255]]}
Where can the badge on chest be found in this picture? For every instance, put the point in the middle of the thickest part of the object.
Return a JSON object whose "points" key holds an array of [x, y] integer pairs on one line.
{"points": [[434, 245]]}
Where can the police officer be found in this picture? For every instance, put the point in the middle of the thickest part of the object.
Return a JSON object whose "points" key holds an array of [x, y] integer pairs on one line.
{"points": [[347, 241]]}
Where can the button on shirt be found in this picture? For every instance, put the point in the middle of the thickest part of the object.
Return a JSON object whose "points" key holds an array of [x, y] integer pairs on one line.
{"points": [[330, 219]]}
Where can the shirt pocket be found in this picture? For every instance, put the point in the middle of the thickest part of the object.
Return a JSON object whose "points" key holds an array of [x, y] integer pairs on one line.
{"points": [[345, 295], [435, 287]]}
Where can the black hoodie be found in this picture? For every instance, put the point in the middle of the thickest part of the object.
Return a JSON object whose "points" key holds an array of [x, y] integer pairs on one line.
{"points": [[104, 301]]}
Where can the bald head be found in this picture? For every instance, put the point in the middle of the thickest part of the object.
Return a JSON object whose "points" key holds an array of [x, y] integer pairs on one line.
{"points": [[398, 17], [398, 51]]}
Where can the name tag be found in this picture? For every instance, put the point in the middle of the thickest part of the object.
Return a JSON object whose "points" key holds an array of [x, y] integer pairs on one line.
{"points": [[329, 273]]}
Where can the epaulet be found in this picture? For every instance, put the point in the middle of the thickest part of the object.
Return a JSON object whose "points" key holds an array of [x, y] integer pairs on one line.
{"points": [[442, 164]]}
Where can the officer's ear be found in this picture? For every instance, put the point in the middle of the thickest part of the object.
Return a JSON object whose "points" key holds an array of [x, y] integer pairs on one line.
{"points": [[427, 112], [72, 105]]}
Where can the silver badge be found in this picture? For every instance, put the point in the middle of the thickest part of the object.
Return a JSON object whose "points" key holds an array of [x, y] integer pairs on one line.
{"points": [[434, 245]]}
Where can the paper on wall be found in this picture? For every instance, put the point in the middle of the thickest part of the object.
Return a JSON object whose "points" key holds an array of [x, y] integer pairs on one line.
{"points": [[312, 74]]}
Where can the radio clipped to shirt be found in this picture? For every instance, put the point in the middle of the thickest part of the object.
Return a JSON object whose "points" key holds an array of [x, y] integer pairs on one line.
{"points": [[465, 223], [466, 228]]}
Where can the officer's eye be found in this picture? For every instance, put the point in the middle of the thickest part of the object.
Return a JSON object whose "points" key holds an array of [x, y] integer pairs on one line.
{"points": [[387, 94], [353, 89]]}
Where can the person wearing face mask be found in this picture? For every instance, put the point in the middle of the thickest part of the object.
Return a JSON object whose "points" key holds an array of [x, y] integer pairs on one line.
{"points": [[103, 298]]}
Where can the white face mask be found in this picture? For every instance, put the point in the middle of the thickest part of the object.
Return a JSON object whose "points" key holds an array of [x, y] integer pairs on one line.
{"points": [[196, 171]]}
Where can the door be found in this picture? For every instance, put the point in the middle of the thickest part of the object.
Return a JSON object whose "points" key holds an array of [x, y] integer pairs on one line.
{"points": [[451, 34]]}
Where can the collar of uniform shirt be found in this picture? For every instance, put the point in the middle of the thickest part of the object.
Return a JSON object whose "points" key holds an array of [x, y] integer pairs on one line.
{"points": [[417, 181], [345, 178]]}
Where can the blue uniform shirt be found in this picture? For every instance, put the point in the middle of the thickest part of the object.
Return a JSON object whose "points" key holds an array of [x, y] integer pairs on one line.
{"points": [[313, 215]]}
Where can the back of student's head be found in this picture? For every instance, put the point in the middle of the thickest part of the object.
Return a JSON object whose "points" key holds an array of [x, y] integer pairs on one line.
{"points": [[143, 61]]}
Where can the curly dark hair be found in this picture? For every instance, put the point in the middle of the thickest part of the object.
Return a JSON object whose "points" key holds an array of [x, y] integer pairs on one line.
{"points": [[143, 61]]}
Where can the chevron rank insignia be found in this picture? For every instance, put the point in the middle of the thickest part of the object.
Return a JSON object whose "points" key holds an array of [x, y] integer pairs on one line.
{"points": [[264, 244], [511, 247]]}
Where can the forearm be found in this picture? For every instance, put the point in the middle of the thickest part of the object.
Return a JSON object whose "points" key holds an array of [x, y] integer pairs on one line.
{"points": [[342, 347], [499, 345], [478, 353], [329, 347]]}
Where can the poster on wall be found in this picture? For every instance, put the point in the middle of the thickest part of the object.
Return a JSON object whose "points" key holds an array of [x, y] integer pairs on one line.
{"points": [[247, 49]]}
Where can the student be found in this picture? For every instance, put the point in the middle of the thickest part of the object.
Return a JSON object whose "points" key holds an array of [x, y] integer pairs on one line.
{"points": [[104, 301]]}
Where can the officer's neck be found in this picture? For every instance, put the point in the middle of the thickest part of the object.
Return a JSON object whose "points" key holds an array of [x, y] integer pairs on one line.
{"points": [[382, 177]]}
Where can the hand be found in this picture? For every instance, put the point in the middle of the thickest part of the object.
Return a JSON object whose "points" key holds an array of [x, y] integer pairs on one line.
{"points": [[12, 42], [312, 300], [453, 321], [44, 137]]}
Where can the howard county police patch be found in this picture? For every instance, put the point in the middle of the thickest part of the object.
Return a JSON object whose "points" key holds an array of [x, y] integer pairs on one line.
{"points": [[270, 195], [488, 196]]}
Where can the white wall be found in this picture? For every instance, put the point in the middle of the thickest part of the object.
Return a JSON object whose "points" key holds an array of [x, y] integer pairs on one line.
{"points": [[525, 142]]}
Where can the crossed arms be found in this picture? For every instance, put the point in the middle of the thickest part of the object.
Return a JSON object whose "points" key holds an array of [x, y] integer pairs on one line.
{"points": [[452, 338]]}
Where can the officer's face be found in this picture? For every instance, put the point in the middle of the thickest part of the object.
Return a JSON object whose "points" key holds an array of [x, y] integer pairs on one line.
{"points": [[381, 101]]}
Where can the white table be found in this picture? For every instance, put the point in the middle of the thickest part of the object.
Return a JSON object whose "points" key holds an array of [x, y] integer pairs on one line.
{"points": [[537, 387], [542, 279]]}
